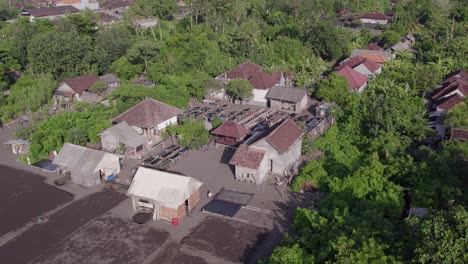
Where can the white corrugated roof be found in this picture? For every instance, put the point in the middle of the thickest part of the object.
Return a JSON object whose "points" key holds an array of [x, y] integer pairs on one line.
{"points": [[168, 189], [80, 159]]}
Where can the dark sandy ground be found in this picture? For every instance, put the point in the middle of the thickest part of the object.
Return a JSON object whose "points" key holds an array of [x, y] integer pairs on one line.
{"points": [[24, 196], [41, 237], [225, 239], [107, 239]]}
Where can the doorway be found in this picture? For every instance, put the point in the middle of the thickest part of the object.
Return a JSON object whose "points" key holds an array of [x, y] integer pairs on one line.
{"points": [[187, 206]]}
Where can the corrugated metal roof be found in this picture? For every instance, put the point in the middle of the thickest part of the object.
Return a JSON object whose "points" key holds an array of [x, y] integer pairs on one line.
{"points": [[287, 94], [167, 189], [127, 135], [81, 160]]}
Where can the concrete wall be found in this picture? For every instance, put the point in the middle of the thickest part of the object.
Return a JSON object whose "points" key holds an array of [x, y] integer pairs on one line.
{"points": [[109, 142], [194, 199], [303, 104], [259, 96], [362, 87], [244, 174], [171, 121], [86, 180], [110, 164], [373, 21]]}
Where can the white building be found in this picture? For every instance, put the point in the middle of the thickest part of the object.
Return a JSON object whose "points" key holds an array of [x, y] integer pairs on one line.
{"points": [[87, 167]]}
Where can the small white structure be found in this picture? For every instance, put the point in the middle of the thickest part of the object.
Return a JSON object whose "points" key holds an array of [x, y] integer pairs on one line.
{"points": [[79, 4], [166, 195], [87, 167], [374, 18]]}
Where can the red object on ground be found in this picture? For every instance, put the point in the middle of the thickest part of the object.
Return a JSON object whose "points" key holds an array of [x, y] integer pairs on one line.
{"points": [[175, 221]]}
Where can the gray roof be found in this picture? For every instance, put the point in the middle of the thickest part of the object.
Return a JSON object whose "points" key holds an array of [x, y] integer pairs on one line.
{"points": [[126, 135], [90, 97], [385, 54], [109, 78], [78, 159], [288, 94]]}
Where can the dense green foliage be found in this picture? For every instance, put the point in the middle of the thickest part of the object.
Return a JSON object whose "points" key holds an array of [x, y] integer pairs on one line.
{"points": [[76, 127], [28, 94], [458, 116], [372, 155], [192, 133], [240, 89]]}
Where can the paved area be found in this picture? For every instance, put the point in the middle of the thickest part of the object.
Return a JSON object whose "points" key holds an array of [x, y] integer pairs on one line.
{"points": [[107, 239], [43, 236], [25, 197]]}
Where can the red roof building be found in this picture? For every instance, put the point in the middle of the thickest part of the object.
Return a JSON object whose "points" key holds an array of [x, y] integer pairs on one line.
{"points": [[284, 136], [351, 62], [459, 134], [452, 90], [247, 157], [274, 152], [52, 11], [375, 16], [373, 46], [253, 73], [229, 133], [356, 81]]}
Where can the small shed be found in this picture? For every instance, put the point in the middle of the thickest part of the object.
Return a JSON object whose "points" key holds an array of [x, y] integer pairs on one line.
{"points": [[87, 167], [287, 98], [230, 133], [122, 133], [167, 195], [19, 146]]}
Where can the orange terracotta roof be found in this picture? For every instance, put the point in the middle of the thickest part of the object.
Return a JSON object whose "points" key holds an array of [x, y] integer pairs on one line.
{"points": [[374, 57]]}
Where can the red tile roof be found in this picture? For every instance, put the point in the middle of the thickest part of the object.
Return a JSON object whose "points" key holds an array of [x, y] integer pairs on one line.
{"points": [[374, 46], [459, 134], [248, 157], [231, 129], [254, 73], [352, 62], [262, 80], [355, 79], [113, 4], [52, 11], [374, 57], [448, 102], [148, 114], [284, 136], [372, 66], [375, 15], [82, 83]]}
